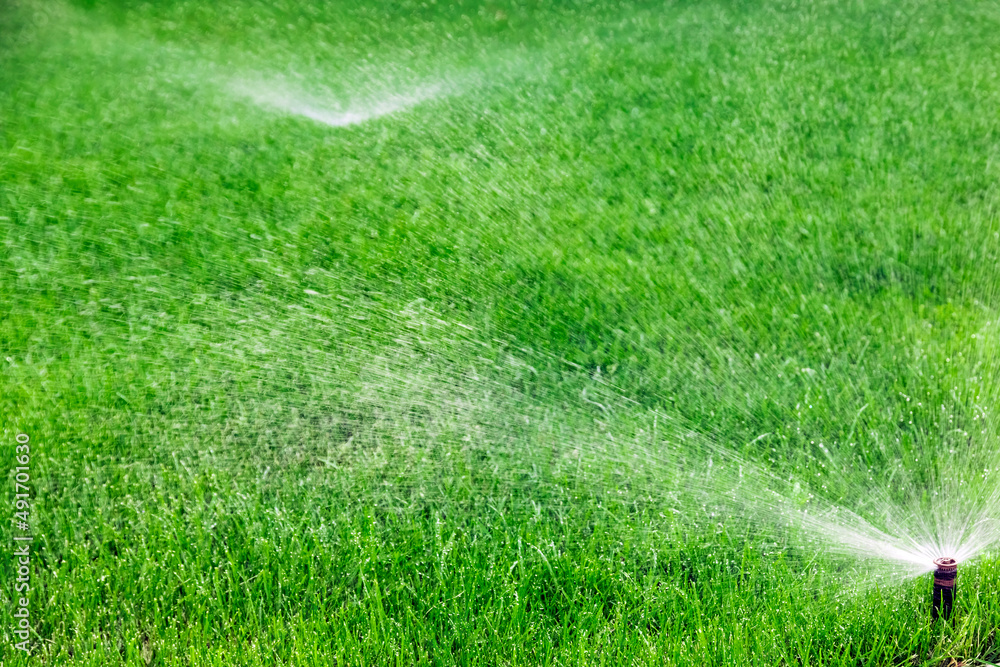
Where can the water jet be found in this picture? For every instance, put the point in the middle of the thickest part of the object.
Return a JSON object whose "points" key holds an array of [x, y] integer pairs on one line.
{"points": [[945, 577]]}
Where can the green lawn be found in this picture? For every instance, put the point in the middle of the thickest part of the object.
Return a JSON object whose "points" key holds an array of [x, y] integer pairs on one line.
{"points": [[505, 377]]}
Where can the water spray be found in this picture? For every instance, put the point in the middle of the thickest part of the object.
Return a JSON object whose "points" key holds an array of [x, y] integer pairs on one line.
{"points": [[945, 577]]}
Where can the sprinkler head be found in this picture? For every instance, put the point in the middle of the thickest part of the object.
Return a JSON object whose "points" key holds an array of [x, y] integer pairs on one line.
{"points": [[945, 577]]}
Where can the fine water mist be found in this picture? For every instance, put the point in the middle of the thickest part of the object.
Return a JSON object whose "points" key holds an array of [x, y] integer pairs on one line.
{"points": [[279, 96], [878, 507]]}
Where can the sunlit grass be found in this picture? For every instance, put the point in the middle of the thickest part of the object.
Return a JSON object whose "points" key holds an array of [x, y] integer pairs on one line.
{"points": [[434, 387]]}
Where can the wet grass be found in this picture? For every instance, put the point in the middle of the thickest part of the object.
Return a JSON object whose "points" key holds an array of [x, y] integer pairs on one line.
{"points": [[313, 395]]}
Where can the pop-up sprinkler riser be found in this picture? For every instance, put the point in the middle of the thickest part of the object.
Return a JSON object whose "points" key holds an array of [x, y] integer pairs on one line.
{"points": [[945, 577]]}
